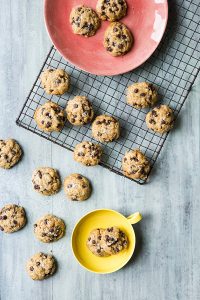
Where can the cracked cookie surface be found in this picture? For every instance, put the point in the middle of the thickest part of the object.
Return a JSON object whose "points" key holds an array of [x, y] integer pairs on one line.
{"points": [[12, 218], [77, 187], [84, 21], [49, 228], [118, 39], [135, 165], [160, 119], [55, 81], [105, 128], [49, 117], [141, 95], [88, 153], [111, 10], [10, 153], [40, 266], [79, 111], [46, 181]]}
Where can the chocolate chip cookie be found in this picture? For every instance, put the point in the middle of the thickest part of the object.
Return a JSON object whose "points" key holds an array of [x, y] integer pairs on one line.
{"points": [[77, 187], [95, 243], [40, 266], [10, 153], [141, 95], [118, 39], [135, 165], [79, 111], [55, 82], [84, 21], [105, 128], [46, 181], [160, 119], [111, 10], [114, 240], [87, 153], [49, 229], [12, 218], [49, 117]]}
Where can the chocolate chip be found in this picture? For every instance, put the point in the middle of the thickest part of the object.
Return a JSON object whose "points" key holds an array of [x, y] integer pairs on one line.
{"points": [[36, 187], [120, 46], [69, 186], [79, 177], [154, 113], [151, 121], [163, 122], [48, 124], [93, 242], [1, 228], [40, 174], [37, 263], [75, 105], [89, 239], [98, 250], [142, 94], [35, 225], [99, 237], [109, 49], [123, 36], [31, 268], [73, 120], [15, 222], [115, 29], [4, 217], [50, 91]]}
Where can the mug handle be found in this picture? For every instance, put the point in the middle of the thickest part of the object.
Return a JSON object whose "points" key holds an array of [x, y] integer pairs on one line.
{"points": [[134, 218]]}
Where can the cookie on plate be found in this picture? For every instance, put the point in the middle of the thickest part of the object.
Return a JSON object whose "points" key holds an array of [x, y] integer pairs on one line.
{"points": [[135, 165], [77, 187], [84, 21], [46, 181], [49, 117], [160, 119], [79, 111], [111, 10], [10, 153], [88, 153], [49, 228], [118, 39], [55, 81], [114, 240], [141, 95], [12, 218], [96, 244], [105, 128], [40, 266]]}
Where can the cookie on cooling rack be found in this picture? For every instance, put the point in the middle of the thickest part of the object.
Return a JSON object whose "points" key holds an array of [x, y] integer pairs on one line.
{"points": [[55, 81], [160, 119], [79, 111], [135, 165], [141, 95], [88, 153], [49, 117], [105, 128]]}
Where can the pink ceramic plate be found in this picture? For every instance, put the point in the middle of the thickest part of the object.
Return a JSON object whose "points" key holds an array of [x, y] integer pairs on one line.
{"points": [[146, 19]]}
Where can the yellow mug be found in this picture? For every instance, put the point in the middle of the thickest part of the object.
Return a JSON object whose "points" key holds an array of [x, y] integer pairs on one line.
{"points": [[103, 218]]}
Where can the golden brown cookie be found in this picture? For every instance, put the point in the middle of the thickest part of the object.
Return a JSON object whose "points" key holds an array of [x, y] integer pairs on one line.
{"points": [[111, 10], [77, 187], [141, 95], [55, 82], [105, 128], [160, 119], [88, 153], [79, 111], [12, 218], [10, 153]]}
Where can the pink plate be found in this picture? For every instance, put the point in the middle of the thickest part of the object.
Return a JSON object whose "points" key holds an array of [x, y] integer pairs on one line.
{"points": [[146, 19]]}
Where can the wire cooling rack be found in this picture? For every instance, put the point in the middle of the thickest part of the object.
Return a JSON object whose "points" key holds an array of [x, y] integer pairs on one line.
{"points": [[172, 68]]}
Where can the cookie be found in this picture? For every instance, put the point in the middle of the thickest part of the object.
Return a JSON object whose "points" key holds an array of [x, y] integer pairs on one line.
{"points": [[49, 117], [95, 243], [79, 111], [55, 82], [12, 218], [114, 240], [77, 187], [135, 165], [141, 95], [10, 153], [41, 266], [118, 39], [105, 129], [111, 10], [46, 181], [84, 21], [87, 153], [49, 229], [160, 119]]}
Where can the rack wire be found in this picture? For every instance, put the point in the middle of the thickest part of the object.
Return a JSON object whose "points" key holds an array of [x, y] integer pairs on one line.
{"points": [[172, 68]]}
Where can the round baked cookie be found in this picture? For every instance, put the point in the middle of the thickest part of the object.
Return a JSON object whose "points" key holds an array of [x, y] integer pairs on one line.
{"points": [[87, 153], [12, 218], [55, 82], [135, 165], [10, 153], [79, 111], [114, 240], [49, 117], [105, 128], [111, 10], [118, 39], [46, 181], [49, 229], [77, 187], [141, 95], [40, 266], [84, 21], [95, 243], [160, 119]]}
